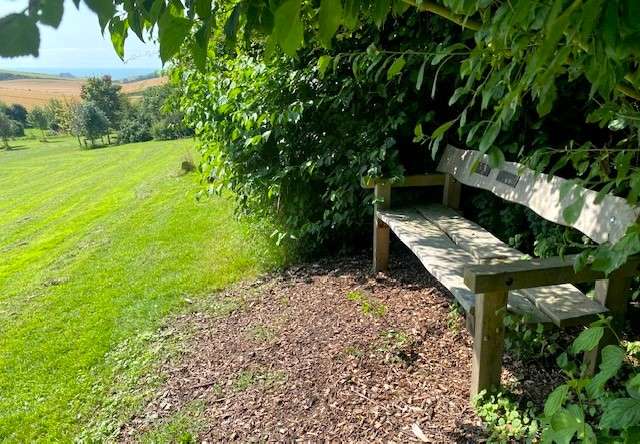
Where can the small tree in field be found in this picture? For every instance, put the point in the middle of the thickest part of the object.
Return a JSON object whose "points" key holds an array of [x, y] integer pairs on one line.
{"points": [[6, 129], [39, 118], [17, 113], [90, 121], [106, 96]]}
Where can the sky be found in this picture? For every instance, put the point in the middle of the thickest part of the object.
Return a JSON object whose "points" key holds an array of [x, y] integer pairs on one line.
{"points": [[78, 43]]}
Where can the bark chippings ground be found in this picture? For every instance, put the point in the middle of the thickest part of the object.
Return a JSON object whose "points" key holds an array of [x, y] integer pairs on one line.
{"points": [[325, 352]]}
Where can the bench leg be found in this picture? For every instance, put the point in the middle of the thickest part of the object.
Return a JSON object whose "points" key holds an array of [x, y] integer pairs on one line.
{"points": [[488, 342], [612, 293], [380, 245]]}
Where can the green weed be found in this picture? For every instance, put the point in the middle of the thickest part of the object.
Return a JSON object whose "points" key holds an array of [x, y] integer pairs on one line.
{"points": [[368, 306], [266, 378]]}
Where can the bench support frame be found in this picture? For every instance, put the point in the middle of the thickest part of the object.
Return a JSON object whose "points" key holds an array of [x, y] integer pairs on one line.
{"points": [[488, 341], [612, 294], [381, 231]]}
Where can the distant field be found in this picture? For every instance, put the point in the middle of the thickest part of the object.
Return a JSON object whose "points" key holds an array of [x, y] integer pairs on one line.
{"points": [[33, 92]]}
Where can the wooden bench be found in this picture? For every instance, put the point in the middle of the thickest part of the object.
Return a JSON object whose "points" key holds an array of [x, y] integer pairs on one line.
{"points": [[486, 276]]}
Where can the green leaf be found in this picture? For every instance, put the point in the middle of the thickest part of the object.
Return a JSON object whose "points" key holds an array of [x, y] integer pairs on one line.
{"points": [[203, 8], [612, 358], [51, 12], [118, 30], [172, 31], [380, 10], [396, 67], [489, 136], [350, 13], [288, 27], [421, 74], [571, 212], [621, 413], [565, 424], [231, 26], [104, 9], [587, 340], [19, 36], [496, 157], [329, 20], [324, 62], [555, 400], [439, 132], [200, 45], [633, 386], [135, 23]]}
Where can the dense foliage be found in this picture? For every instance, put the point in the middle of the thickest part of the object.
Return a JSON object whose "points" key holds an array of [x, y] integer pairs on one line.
{"points": [[90, 121], [104, 94], [152, 117], [512, 60], [292, 140]]}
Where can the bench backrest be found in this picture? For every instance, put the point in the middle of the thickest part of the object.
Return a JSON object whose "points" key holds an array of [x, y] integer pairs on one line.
{"points": [[604, 221]]}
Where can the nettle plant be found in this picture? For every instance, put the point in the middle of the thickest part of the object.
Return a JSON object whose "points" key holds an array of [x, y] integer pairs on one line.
{"points": [[600, 407]]}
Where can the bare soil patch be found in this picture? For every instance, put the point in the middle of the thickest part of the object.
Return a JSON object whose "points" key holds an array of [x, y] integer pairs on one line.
{"points": [[328, 352]]}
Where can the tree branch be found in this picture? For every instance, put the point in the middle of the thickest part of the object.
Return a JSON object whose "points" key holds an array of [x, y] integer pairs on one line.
{"points": [[463, 21], [428, 6]]}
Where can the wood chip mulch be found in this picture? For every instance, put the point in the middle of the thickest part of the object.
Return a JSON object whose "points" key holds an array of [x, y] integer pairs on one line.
{"points": [[327, 352]]}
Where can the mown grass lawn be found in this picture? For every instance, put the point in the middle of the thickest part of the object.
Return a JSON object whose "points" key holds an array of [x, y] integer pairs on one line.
{"points": [[97, 248]]}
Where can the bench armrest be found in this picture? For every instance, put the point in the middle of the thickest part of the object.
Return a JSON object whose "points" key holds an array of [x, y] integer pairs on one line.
{"points": [[422, 180], [531, 273]]}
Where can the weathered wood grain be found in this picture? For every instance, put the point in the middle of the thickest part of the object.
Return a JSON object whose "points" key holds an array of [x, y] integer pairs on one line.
{"points": [[470, 236], [531, 273], [381, 233], [421, 180], [452, 192], [488, 341], [445, 260], [602, 222]]}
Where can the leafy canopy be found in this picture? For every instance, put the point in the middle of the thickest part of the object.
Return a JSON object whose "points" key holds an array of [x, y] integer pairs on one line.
{"points": [[510, 55]]}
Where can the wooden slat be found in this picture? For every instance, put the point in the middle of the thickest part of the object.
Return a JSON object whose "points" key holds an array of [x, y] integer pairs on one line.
{"points": [[422, 180], [440, 256], [445, 260], [533, 273], [564, 304], [474, 239], [602, 222]]}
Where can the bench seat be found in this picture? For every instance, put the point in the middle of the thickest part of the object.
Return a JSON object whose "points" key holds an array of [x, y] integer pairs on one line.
{"points": [[445, 242]]}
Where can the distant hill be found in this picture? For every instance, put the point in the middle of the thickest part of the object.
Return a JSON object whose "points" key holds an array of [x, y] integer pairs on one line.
{"points": [[18, 75], [38, 90]]}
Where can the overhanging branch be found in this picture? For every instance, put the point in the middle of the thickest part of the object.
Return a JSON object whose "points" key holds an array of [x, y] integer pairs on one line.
{"points": [[461, 20]]}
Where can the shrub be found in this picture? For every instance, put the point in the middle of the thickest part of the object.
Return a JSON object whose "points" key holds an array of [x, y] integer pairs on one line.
{"points": [[90, 121], [292, 139], [133, 129]]}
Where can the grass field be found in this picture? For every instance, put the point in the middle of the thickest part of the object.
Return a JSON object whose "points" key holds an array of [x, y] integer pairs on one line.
{"points": [[33, 92], [97, 249]]}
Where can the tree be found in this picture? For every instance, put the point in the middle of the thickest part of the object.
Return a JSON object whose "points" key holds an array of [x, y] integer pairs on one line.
{"points": [[6, 129], [105, 95], [40, 118], [90, 121], [55, 110], [17, 113]]}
